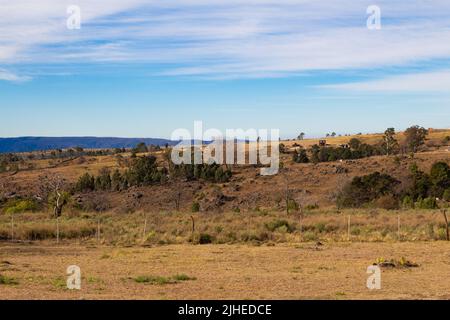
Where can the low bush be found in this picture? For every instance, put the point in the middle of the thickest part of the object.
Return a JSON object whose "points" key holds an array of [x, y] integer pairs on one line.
{"points": [[158, 280], [276, 224], [5, 280], [387, 202], [427, 203], [205, 238], [20, 206], [195, 207]]}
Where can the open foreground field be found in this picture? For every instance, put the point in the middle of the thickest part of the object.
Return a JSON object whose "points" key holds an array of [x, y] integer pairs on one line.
{"points": [[280, 271]]}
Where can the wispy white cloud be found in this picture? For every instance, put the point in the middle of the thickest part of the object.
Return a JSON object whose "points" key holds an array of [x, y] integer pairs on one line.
{"points": [[6, 75], [417, 82], [226, 39]]}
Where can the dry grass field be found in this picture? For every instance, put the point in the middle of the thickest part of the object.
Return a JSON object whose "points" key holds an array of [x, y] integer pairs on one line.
{"points": [[287, 271], [255, 227]]}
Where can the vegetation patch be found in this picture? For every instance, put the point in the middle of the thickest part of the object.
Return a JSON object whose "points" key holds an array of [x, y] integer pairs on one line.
{"points": [[183, 277], [278, 225], [159, 280], [20, 206], [5, 280], [393, 263]]}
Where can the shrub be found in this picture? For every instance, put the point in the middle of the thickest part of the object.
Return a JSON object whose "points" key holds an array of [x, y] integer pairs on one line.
{"points": [[209, 172], [310, 236], [442, 234], [355, 151], [85, 183], [427, 203], [276, 224], [158, 280], [446, 195], [312, 206], [103, 181], [387, 202], [292, 205], [205, 238], [407, 203], [20, 206], [117, 181], [183, 277], [354, 143], [7, 280], [144, 171], [320, 227], [140, 148], [195, 207], [300, 156]]}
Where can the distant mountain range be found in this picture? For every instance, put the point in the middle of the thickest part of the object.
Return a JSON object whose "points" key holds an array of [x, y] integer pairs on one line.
{"points": [[27, 144]]}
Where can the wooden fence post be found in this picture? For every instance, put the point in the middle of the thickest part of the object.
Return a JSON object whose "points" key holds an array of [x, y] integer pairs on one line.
{"points": [[145, 229], [348, 229], [444, 212], [12, 227], [98, 229]]}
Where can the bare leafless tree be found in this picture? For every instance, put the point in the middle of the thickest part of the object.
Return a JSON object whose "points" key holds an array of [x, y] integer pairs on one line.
{"points": [[54, 185]]}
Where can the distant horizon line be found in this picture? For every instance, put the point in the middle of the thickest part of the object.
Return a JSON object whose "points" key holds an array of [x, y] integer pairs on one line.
{"points": [[168, 139]]}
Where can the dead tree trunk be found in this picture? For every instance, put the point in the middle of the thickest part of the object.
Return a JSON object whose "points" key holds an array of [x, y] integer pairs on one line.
{"points": [[193, 225], [287, 194], [57, 210]]}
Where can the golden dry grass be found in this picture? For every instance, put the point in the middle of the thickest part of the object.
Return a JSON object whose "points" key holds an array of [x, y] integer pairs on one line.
{"points": [[435, 135], [333, 271], [256, 227]]}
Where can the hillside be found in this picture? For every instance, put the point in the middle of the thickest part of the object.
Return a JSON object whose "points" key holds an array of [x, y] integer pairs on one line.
{"points": [[311, 184]]}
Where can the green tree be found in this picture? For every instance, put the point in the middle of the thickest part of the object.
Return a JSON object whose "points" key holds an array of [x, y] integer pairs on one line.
{"points": [[143, 171], [103, 181], [415, 137], [390, 144], [85, 183], [116, 181], [420, 183], [440, 178], [365, 189]]}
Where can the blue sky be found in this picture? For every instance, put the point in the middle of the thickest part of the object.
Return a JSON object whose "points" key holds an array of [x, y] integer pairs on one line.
{"points": [[145, 68]]}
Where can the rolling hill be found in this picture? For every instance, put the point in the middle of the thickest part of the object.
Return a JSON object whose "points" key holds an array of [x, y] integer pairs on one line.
{"points": [[28, 144]]}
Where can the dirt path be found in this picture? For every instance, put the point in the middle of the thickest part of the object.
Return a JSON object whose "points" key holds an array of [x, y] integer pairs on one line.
{"points": [[332, 271]]}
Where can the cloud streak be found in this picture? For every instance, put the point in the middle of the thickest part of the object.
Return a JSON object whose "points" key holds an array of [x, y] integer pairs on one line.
{"points": [[412, 83], [12, 77], [226, 39]]}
